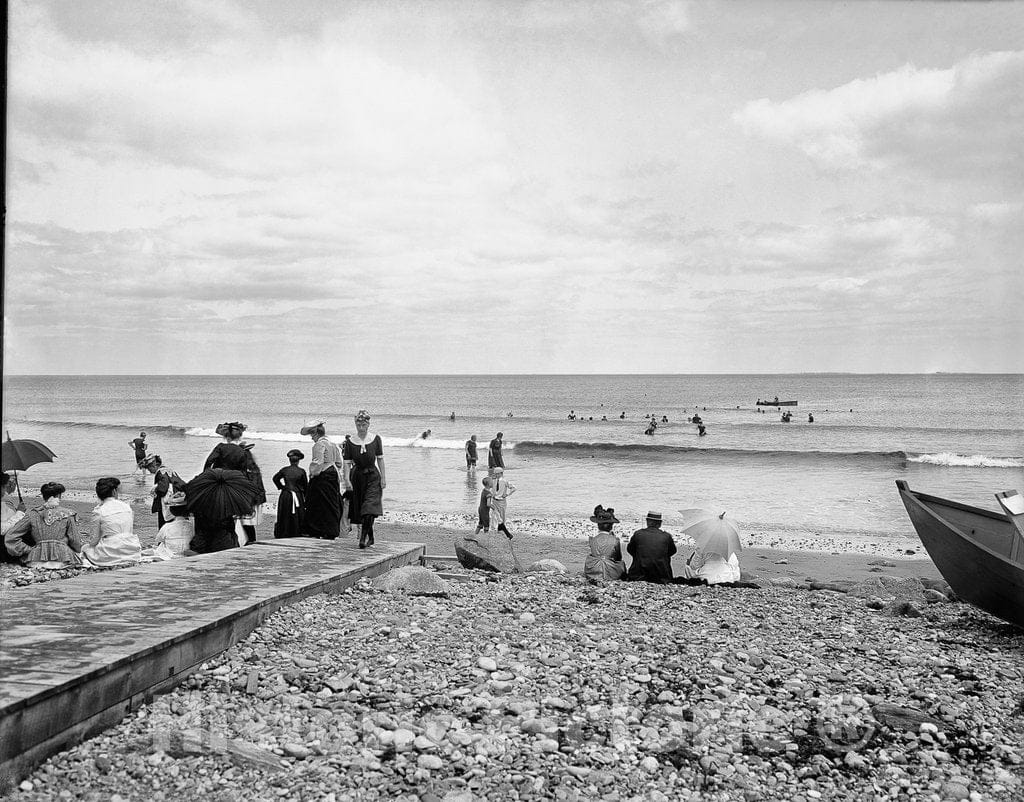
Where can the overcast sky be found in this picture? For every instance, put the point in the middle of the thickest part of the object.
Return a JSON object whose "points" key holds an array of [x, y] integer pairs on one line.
{"points": [[204, 186]]}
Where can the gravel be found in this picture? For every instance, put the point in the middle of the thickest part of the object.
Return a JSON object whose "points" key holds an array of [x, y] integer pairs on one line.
{"points": [[540, 686]]}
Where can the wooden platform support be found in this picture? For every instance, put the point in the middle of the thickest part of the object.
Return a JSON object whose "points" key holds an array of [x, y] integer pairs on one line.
{"points": [[77, 655]]}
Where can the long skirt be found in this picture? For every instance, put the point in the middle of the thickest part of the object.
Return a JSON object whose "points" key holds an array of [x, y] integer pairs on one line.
{"points": [[290, 514], [211, 535], [367, 495], [499, 507], [323, 505]]}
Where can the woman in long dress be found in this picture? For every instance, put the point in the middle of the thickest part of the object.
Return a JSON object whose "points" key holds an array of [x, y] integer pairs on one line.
{"points": [[501, 489], [174, 537], [364, 476], [323, 499], [235, 455], [113, 540], [605, 559], [291, 502], [47, 536]]}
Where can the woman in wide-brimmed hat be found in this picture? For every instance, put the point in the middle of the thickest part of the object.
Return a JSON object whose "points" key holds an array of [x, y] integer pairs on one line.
{"points": [[364, 476], [323, 499], [236, 455], [605, 559]]}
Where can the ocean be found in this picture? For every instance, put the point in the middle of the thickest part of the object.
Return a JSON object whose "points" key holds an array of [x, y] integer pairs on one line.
{"points": [[953, 435]]}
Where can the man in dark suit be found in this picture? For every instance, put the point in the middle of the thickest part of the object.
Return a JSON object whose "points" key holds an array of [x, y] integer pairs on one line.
{"points": [[652, 549]]}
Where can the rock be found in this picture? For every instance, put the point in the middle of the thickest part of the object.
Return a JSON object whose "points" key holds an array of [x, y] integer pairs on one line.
{"points": [[527, 618], [889, 587], [935, 597], [875, 603], [193, 742], [487, 663], [102, 763], [784, 582], [547, 567], [898, 717], [486, 553], [941, 585], [412, 580], [649, 764], [905, 608], [297, 751], [839, 586], [883, 563], [955, 791], [430, 762]]}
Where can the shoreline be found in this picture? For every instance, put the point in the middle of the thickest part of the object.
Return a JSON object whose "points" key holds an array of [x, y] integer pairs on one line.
{"points": [[764, 558]]}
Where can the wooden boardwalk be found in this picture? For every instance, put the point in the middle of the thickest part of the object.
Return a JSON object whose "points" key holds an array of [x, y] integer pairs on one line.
{"points": [[77, 655]]}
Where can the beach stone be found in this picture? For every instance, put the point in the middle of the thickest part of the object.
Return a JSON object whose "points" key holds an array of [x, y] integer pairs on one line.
{"points": [[413, 580], [889, 587], [527, 618], [547, 567], [486, 553], [899, 717], [431, 762], [487, 663], [955, 791], [935, 597], [906, 608], [784, 582]]}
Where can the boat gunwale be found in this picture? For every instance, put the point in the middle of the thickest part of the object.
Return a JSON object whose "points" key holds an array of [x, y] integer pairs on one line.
{"points": [[919, 499]]}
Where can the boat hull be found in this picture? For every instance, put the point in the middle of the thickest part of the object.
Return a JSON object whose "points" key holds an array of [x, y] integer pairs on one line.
{"points": [[971, 549], [776, 403]]}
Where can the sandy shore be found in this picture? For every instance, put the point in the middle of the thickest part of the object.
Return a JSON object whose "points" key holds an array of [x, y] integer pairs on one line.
{"points": [[566, 542]]}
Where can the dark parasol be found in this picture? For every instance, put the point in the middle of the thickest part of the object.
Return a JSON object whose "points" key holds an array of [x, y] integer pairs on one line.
{"points": [[218, 493], [20, 455]]}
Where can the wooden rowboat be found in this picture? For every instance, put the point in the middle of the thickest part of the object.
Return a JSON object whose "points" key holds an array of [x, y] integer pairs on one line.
{"points": [[979, 553], [775, 403]]}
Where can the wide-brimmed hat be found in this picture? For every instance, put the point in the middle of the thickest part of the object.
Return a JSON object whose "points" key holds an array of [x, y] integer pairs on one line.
{"points": [[224, 428], [604, 516], [310, 425], [295, 453], [362, 416], [654, 516], [152, 459]]}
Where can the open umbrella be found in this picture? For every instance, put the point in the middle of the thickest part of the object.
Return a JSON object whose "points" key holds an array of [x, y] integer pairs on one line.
{"points": [[712, 532], [20, 455], [218, 493]]}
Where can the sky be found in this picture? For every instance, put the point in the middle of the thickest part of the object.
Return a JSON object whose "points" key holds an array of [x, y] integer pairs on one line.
{"points": [[626, 186]]}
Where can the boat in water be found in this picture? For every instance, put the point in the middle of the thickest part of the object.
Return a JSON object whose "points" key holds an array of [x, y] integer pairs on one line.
{"points": [[775, 403], [978, 552]]}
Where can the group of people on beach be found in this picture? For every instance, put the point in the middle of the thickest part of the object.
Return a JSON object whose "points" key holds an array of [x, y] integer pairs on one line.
{"points": [[651, 549], [219, 509]]}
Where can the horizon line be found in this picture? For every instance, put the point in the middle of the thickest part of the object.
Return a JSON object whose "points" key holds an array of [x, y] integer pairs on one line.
{"points": [[496, 375]]}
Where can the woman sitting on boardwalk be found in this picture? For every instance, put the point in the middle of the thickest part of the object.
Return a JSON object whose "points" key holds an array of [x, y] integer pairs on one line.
{"points": [[47, 537], [172, 541], [113, 542]]}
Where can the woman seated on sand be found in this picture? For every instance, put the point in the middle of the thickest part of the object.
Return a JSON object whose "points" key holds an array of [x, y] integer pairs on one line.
{"points": [[172, 541], [712, 568], [113, 542], [47, 537], [605, 559]]}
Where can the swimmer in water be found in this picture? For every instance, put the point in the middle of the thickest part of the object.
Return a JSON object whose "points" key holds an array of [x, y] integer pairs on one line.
{"points": [[425, 435]]}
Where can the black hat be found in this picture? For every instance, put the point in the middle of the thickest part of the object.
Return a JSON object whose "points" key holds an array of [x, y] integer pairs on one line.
{"points": [[604, 516]]}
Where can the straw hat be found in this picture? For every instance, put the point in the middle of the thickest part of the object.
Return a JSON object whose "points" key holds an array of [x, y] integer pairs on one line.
{"points": [[311, 425], [654, 516]]}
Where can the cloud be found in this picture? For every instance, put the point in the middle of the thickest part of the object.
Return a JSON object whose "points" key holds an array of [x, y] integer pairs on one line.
{"points": [[962, 121]]}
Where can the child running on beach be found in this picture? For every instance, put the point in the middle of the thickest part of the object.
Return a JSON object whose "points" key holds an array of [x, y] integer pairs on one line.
{"points": [[484, 510]]}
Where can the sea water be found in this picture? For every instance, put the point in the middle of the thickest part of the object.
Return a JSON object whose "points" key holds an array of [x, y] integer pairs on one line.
{"points": [[953, 435]]}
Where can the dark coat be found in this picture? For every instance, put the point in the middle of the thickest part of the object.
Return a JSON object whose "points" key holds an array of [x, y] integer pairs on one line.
{"points": [[652, 551]]}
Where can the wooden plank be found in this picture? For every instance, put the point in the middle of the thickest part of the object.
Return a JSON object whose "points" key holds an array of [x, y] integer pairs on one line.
{"points": [[111, 640]]}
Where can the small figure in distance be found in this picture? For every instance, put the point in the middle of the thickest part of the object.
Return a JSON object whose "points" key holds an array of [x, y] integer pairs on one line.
{"points": [[483, 510], [701, 431], [652, 549], [810, 417], [494, 457], [452, 416], [425, 435], [139, 446], [664, 419], [650, 429], [591, 417], [604, 417], [623, 415], [471, 453]]}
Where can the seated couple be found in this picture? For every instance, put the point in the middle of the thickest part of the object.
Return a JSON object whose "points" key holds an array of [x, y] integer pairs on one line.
{"points": [[651, 549]]}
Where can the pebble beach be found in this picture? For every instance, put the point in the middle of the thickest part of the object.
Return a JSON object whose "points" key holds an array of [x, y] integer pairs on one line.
{"points": [[545, 687]]}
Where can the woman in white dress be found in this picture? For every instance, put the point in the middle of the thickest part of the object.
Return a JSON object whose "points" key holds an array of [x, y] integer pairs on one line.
{"points": [[174, 536], [113, 542]]}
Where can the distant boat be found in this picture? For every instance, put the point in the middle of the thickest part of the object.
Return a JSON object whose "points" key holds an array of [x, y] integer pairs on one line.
{"points": [[979, 553], [776, 403]]}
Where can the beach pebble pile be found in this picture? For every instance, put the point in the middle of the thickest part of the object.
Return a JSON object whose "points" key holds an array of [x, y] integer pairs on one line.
{"points": [[542, 686]]}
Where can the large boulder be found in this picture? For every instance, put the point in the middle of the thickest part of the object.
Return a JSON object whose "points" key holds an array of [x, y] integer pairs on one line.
{"points": [[486, 553], [547, 567], [412, 580]]}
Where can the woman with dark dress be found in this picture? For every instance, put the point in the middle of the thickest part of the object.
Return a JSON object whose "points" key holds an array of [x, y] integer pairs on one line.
{"points": [[234, 455], [323, 500], [291, 503], [364, 476]]}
